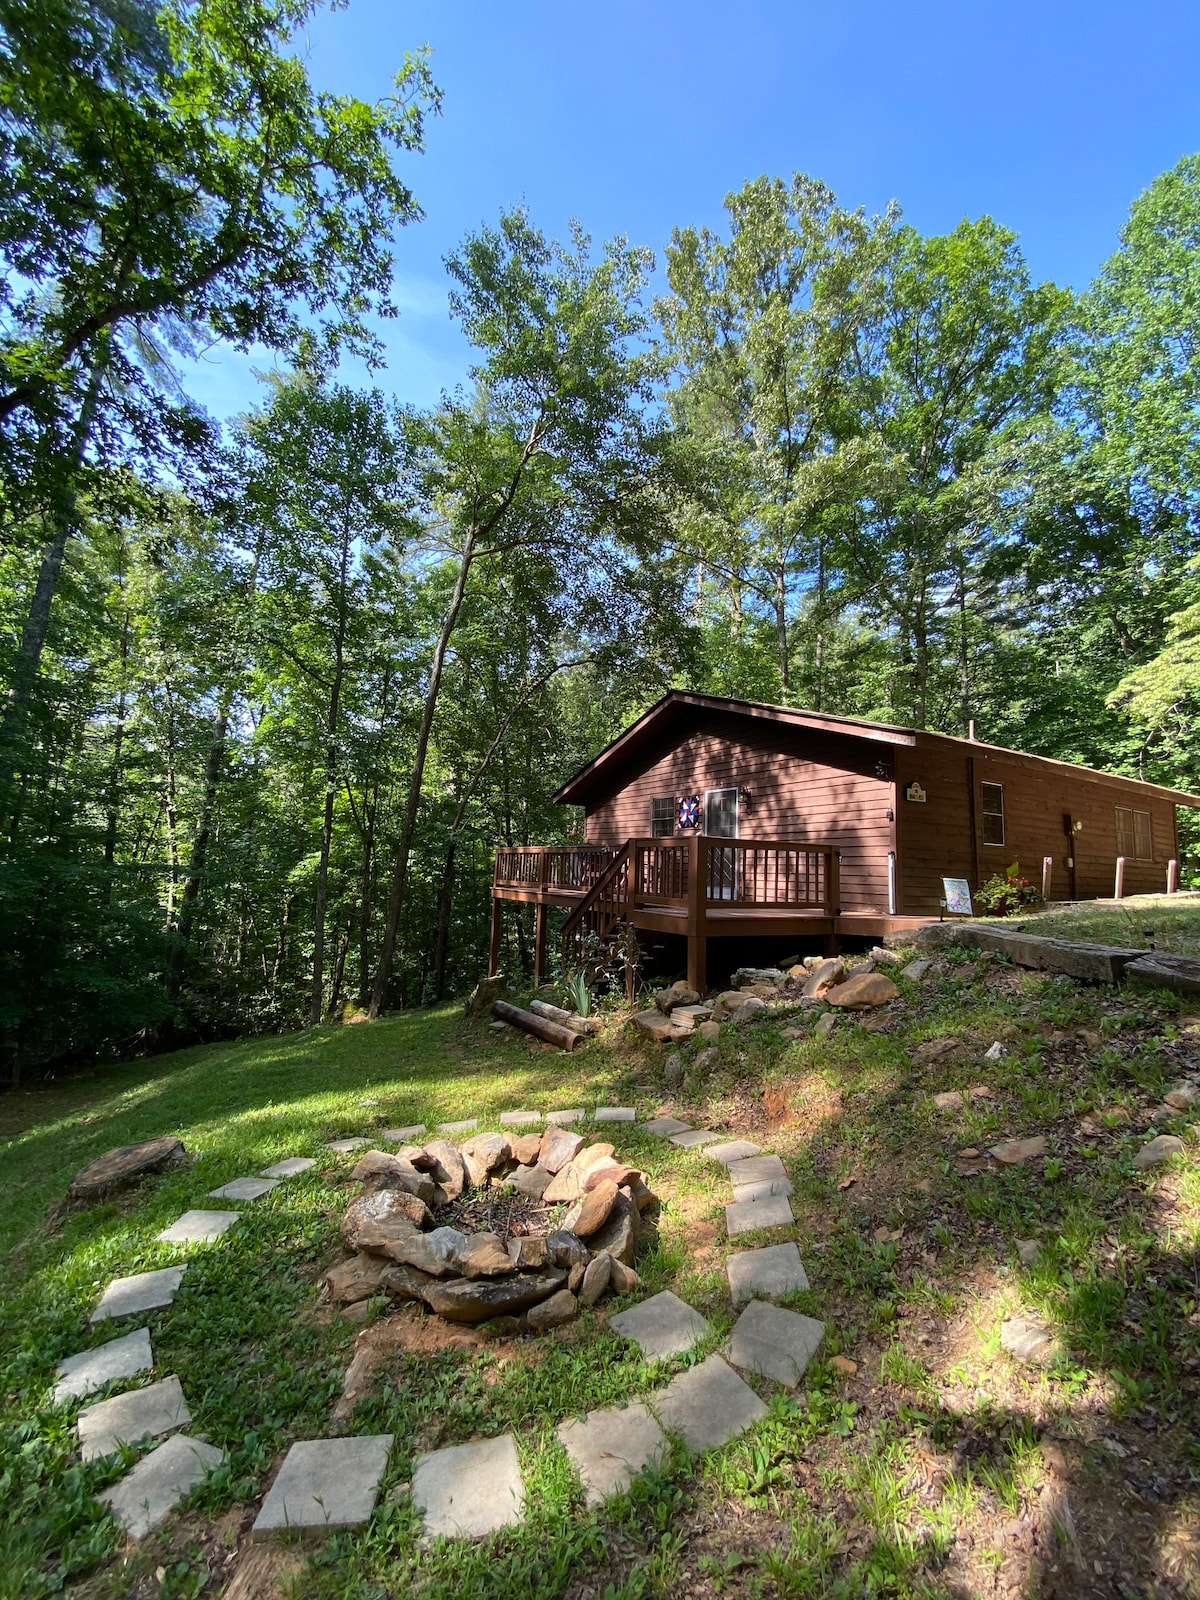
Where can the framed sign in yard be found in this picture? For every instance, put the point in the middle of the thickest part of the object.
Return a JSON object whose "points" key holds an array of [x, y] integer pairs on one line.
{"points": [[956, 897]]}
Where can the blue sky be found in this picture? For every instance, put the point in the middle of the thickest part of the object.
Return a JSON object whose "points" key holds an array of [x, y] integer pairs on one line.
{"points": [[636, 118]]}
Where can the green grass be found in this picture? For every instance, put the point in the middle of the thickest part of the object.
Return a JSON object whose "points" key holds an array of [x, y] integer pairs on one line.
{"points": [[856, 1484], [1168, 922]]}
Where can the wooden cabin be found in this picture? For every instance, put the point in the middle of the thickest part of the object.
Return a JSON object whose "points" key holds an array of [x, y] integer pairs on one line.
{"points": [[718, 818]]}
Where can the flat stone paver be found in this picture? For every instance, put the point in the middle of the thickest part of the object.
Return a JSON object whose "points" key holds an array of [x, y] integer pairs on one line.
{"points": [[126, 1418], [468, 1490], [198, 1227], [345, 1146], [664, 1325], [519, 1119], [145, 1496], [773, 1342], [708, 1405], [92, 1369], [245, 1189], [403, 1135], [289, 1167], [774, 1270], [732, 1150], [615, 1114], [565, 1118], [695, 1138], [743, 1216], [325, 1483], [144, 1291], [666, 1125], [610, 1447], [464, 1126], [754, 1171]]}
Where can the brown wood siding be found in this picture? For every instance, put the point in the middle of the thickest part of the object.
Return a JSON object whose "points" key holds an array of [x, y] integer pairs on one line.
{"points": [[944, 837], [805, 785]]}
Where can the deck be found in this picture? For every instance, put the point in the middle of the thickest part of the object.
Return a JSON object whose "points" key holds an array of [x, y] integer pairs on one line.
{"points": [[698, 887]]}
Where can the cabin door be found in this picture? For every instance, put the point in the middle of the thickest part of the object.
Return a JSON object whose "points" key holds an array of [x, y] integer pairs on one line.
{"points": [[721, 822]]}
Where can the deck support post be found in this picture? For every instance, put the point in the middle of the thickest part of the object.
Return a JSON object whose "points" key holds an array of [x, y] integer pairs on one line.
{"points": [[697, 913], [539, 943], [833, 894], [494, 945]]}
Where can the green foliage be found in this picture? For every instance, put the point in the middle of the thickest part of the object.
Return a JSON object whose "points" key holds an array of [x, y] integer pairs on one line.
{"points": [[1006, 892]]}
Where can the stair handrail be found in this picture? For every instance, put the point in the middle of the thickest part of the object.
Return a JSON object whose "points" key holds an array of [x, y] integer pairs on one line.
{"points": [[571, 927]]}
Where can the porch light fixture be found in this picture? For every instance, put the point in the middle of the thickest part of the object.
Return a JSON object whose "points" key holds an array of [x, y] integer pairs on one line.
{"points": [[745, 798]]}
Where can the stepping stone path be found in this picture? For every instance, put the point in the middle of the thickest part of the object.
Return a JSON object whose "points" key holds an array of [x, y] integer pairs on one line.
{"points": [[289, 1167], [666, 1125], [344, 1147], [731, 1150], [565, 1118], [743, 1216], [146, 1496], [615, 1114], [325, 1484], [128, 1418], [758, 1177], [245, 1189], [469, 1490], [610, 1447], [145, 1291], [465, 1126], [519, 1119], [198, 1227], [773, 1342], [695, 1138], [664, 1325], [770, 1272], [120, 1358], [708, 1405], [402, 1135]]}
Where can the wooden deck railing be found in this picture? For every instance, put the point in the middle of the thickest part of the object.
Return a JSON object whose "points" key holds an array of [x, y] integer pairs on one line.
{"points": [[547, 866]]}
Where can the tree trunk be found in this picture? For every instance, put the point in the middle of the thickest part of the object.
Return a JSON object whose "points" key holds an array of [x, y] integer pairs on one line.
{"points": [[441, 938], [114, 771], [177, 951], [316, 1007], [65, 520], [409, 825]]}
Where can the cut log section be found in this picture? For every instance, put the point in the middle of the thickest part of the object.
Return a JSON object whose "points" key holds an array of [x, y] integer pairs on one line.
{"points": [[568, 1019], [540, 1027]]}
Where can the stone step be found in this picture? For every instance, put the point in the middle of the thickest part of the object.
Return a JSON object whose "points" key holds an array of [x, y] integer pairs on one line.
{"points": [[774, 1270], [609, 1448], [708, 1405], [198, 1227], [131, 1417], [244, 1189], [90, 1370], [325, 1484], [743, 1216], [146, 1496], [144, 1291], [774, 1343], [469, 1490], [663, 1325], [289, 1167]]}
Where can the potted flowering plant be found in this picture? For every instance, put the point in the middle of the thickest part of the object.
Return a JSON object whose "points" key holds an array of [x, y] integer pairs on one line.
{"points": [[1007, 892]]}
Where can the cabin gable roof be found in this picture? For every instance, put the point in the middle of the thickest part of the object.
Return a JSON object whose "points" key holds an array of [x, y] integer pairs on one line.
{"points": [[680, 711]]}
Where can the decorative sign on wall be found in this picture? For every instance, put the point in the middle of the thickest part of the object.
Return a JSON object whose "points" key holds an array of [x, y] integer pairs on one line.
{"points": [[915, 792], [957, 897], [689, 811]]}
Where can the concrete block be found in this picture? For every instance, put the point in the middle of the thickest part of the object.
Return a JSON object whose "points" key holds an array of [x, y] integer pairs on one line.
{"points": [[325, 1484], [144, 1291], [403, 1135], [289, 1167], [773, 1342], [520, 1119], [244, 1189], [565, 1118], [344, 1147], [469, 1490], [662, 1326], [743, 1216], [198, 1227], [610, 1447], [663, 1126], [731, 1150], [127, 1418], [146, 1496], [615, 1114], [769, 1273], [695, 1139], [708, 1405], [92, 1369]]}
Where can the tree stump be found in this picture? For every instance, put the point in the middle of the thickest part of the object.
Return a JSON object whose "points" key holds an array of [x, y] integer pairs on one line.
{"points": [[118, 1168]]}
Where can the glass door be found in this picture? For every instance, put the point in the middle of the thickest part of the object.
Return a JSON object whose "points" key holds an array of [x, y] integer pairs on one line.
{"points": [[721, 822]]}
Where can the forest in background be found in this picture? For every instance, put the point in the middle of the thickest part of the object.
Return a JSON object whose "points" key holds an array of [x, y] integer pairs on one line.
{"points": [[275, 690]]}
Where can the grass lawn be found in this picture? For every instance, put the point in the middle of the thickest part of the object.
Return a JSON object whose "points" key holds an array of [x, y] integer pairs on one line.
{"points": [[1170, 922], [916, 1459]]}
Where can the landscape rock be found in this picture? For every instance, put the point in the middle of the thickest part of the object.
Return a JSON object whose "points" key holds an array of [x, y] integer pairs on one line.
{"points": [[826, 975], [483, 1256], [118, 1168], [916, 970], [590, 1155], [485, 1154], [499, 1327], [677, 995], [934, 1049], [619, 1235], [825, 1024], [437, 1253], [374, 1220], [532, 1182], [405, 1283], [623, 1279], [863, 990], [750, 1008], [383, 1170], [449, 1170], [1027, 1340], [567, 1249], [1162, 1148], [484, 994], [619, 1172], [553, 1312], [356, 1279], [745, 976], [1028, 1251], [1012, 1152], [526, 1149], [593, 1210], [655, 1026], [557, 1148], [596, 1279], [710, 1032], [635, 1188], [673, 1067], [1182, 1096], [480, 1299], [525, 1254], [564, 1185]]}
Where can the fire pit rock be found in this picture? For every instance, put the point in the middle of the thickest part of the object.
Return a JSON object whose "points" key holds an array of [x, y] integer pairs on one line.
{"points": [[516, 1234]]}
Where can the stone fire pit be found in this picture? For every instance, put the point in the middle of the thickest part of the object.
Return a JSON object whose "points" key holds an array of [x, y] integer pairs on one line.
{"points": [[512, 1235]]}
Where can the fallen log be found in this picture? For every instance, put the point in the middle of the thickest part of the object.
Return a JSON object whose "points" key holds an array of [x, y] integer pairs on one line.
{"points": [[568, 1019], [541, 1027]]}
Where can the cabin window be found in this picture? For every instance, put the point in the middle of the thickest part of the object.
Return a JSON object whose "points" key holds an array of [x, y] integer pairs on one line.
{"points": [[662, 817], [1135, 837], [993, 813]]}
